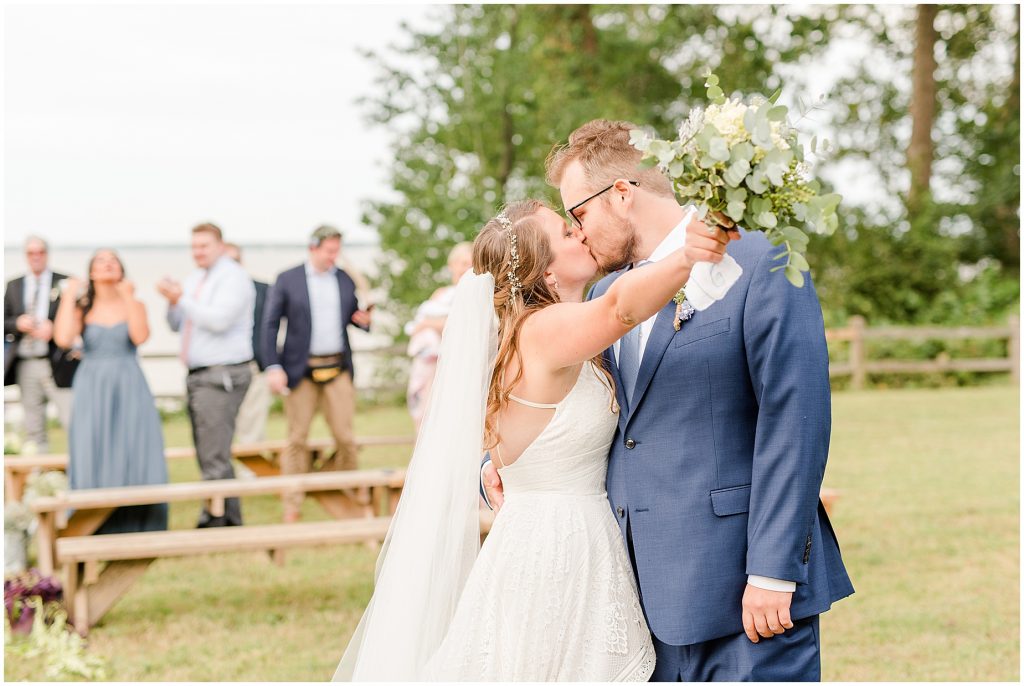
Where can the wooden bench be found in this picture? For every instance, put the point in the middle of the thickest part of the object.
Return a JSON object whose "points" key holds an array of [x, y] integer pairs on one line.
{"points": [[90, 592], [344, 495], [256, 456]]}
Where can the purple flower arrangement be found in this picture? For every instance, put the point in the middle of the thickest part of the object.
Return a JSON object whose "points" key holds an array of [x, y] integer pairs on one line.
{"points": [[18, 589]]}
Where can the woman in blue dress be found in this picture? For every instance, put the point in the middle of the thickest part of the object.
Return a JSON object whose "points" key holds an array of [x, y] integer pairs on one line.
{"points": [[115, 437]]}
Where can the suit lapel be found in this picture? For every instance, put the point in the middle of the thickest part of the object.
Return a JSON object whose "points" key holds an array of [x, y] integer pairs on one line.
{"points": [[661, 334]]}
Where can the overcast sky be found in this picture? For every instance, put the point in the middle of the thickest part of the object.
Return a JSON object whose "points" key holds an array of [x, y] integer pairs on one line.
{"points": [[129, 124]]}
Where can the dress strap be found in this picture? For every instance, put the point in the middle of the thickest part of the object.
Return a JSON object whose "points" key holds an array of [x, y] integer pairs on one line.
{"points": [[539, 406]]}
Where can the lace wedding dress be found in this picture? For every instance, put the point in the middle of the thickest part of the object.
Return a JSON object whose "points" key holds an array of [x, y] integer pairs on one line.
{"points": [[551, 596]]}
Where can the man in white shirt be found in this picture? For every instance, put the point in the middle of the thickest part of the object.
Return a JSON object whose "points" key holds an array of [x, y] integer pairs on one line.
{"points": [[213, 310], [30, 304]]}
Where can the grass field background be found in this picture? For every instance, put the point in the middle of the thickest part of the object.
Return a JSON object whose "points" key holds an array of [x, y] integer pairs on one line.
{"points": [[928, 522]]}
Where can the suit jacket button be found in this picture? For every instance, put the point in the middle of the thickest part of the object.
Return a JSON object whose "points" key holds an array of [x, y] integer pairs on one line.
{"points": [[630, 443], [619, 511]]}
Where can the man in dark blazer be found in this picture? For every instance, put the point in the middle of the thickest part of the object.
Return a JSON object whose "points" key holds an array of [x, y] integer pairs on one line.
{"points": [[314, 367], [30, 304]]}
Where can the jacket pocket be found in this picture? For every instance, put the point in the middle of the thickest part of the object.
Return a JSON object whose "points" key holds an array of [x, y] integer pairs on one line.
{"points": [[708, 330], [730, 501]]}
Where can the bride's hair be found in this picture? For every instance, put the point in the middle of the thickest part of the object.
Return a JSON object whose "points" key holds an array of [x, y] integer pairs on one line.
{"points": [[516, 250]]}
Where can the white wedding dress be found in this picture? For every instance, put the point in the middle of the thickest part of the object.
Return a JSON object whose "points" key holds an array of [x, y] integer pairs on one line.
{"points": [[551, 596]]}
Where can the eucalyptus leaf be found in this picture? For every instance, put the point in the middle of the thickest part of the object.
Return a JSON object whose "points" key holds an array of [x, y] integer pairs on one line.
{"points": [[795, 276], [757, 182], [735, 210], [775, 96], [639, 139], [736, 195], [777, 113], [799, 261], [767, 219], [742, 151], [719, 150], [762, 134]]}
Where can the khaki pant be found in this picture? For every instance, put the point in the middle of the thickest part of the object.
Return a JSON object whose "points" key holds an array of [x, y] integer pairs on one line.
{"points": [[35, 383], [251, 424], [336, 400]]}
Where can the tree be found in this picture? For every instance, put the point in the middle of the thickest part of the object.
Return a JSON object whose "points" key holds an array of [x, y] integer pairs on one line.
{"points": [[480, 101]]}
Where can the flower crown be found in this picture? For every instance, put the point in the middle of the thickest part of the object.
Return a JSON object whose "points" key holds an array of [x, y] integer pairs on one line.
{"points": [[513, 279]]}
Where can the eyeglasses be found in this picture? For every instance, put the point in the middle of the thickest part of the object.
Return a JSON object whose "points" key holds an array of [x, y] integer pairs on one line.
{"points": [[571, 212]]}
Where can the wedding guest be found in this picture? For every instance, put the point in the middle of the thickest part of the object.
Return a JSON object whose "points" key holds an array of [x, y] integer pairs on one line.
{"points": [[424, 333], [314, 367], [251, 424], [30, 304], [213, 310], [115, 438]]}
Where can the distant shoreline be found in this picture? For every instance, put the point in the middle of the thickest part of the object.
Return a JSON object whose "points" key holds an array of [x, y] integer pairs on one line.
{"points": [[153, 246]]}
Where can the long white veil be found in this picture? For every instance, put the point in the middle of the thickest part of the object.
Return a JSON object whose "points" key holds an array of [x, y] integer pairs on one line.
{"points": [[435, 534]]}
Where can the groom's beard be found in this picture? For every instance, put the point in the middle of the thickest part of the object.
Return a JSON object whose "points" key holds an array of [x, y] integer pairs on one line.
{"points": [[624, 252]]}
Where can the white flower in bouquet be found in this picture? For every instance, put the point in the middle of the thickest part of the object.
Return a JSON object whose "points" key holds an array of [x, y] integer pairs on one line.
{"points": [[744, 160]]}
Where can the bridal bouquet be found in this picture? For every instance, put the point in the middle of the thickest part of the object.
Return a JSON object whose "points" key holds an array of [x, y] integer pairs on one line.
{"points": [[744, 161]]}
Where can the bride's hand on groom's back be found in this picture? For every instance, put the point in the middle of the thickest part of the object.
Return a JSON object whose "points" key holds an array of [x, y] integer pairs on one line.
{"points": [[493, 487]]}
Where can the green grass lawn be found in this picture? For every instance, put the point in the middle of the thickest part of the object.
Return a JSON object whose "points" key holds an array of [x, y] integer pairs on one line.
{"points": [[927, 521]]}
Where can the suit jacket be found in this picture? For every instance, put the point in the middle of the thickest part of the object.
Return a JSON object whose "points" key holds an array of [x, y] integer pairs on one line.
{"points": [[14, 307], [257, 320], [715, 471], [289, 300]]}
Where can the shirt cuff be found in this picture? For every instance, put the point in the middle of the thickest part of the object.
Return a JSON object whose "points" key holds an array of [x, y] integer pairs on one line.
{"points": [[272, 366], [770, 584]]}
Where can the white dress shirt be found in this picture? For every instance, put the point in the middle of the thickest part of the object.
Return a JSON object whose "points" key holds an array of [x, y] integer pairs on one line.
{"points": [[324, 311], [673, 241], [219, 304], [29, 346]]}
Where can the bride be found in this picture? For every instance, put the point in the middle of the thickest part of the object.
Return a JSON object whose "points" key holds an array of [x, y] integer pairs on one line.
{"points": [[550, 596]]}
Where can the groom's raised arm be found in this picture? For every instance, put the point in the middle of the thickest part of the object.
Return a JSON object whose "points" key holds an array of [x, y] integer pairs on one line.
{"points": [[784, 335]]}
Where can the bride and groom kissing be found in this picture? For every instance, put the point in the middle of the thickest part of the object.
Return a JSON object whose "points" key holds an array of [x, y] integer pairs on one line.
{"points": [[656, 477]]}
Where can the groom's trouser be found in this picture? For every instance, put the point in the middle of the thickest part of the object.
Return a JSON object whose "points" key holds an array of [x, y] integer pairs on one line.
{"points": [[792, 656]]}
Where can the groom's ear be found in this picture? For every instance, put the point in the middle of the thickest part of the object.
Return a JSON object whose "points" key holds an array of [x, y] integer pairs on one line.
{"points": [[623, 193]]}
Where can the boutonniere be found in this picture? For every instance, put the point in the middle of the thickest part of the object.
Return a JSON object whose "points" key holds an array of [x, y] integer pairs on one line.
{"points": [[55, 291], [684, 310]]}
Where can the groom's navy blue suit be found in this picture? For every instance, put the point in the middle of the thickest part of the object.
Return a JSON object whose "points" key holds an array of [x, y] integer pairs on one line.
{"points": [[715, 473]]}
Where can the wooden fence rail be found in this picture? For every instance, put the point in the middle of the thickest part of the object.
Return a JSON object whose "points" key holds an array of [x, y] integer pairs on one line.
{"points": [[857, 334]]}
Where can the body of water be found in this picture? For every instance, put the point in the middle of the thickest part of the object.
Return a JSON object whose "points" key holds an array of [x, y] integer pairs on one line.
{"points": [[146, 265]]}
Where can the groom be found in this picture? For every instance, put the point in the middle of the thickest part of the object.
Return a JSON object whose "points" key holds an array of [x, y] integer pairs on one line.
{"points": [[723, 435]]}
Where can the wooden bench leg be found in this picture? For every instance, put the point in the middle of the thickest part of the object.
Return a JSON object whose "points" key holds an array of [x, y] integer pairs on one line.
{"points": [[14, 485], [93, 600], [71, 583], [46, 539]]}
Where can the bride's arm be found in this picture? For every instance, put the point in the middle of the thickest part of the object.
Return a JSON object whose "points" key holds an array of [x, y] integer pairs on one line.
{"points": [[584, 330]]}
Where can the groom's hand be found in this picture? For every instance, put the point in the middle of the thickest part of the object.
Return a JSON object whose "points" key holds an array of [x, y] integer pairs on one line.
{"points": [[492, 486], [765, 613]]}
